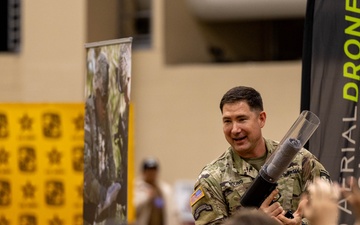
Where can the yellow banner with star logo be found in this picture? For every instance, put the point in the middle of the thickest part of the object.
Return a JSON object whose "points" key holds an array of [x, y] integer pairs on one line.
{"points": [[41, 164]]}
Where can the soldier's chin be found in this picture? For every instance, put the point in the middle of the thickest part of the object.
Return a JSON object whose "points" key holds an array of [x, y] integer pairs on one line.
{"points": [[240, 146], [239, 141]]}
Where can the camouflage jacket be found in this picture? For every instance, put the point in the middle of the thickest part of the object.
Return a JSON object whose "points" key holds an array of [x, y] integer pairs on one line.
{"points": [[221, 184]]}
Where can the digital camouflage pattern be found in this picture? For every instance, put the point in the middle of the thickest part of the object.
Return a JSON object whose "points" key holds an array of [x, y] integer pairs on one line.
{"points": [[221, 184]]}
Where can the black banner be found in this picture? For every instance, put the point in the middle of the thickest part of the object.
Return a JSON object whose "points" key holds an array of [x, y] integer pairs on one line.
{"points": [[330, 88]]}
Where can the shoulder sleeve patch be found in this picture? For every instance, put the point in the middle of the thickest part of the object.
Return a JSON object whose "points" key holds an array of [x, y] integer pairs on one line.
{"points": [[325, 175], [196, 196]]}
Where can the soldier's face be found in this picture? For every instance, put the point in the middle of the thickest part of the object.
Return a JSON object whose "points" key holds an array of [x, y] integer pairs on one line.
{"points": [[242, 128]]}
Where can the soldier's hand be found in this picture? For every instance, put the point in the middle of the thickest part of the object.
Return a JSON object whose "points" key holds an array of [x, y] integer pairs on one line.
{"points": [[271, 208], [352, 195], [296, 217], [297, 220]]}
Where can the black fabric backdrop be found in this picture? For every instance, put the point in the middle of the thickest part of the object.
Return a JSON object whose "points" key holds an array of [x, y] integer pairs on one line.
{"points": [[330, 86]]}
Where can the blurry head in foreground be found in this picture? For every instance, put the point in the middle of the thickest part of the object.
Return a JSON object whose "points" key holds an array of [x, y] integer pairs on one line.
{"points": [[249, 216], [322, 196]]}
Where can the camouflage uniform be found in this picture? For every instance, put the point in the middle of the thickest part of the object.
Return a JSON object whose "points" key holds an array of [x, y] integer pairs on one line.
{"points": [[221, 184]]}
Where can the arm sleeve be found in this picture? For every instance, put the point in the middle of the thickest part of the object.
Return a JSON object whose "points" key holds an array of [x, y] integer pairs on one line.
{"points": [[207, 202], [313, 168]]}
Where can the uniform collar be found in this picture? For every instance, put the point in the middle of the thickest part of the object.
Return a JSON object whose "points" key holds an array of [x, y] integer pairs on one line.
{"points": [[244, 168]]}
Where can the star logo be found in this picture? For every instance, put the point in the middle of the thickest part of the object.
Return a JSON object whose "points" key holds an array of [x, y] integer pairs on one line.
{"points": [[26, 122], [4, 157], [28, 190], [54, 156]]}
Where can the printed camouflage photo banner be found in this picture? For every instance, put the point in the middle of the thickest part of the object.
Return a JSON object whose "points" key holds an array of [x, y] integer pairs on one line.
{"points": [[41, 164], [106, 131]]}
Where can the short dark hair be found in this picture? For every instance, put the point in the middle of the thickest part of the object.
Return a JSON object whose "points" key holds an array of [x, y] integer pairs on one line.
{"points": [[150, 163], [243, 93]]}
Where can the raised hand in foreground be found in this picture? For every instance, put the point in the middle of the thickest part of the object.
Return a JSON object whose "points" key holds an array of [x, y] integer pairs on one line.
{"points": [[352, 195], [321, 203]]}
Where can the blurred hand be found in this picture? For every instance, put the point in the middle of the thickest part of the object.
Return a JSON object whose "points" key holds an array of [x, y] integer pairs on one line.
{"points": [[352, 195], [322, 202], [151, 192]]}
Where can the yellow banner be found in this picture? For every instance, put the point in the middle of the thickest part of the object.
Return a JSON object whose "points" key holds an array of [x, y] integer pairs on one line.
{"points": [[41, 164]]}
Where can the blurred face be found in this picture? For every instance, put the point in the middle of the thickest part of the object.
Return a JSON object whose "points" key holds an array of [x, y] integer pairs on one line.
{"points": [[242, 129], [150, 176]]}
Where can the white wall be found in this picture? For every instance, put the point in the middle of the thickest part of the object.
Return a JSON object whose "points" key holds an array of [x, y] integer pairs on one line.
{"points": [[51, 64], [177, 116]]}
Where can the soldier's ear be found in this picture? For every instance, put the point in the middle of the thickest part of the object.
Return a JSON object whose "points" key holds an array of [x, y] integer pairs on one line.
{"points": [[262, 119]]}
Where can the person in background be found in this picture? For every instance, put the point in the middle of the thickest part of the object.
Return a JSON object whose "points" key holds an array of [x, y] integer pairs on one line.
{"points": [[153, 200], [222, 183]]}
